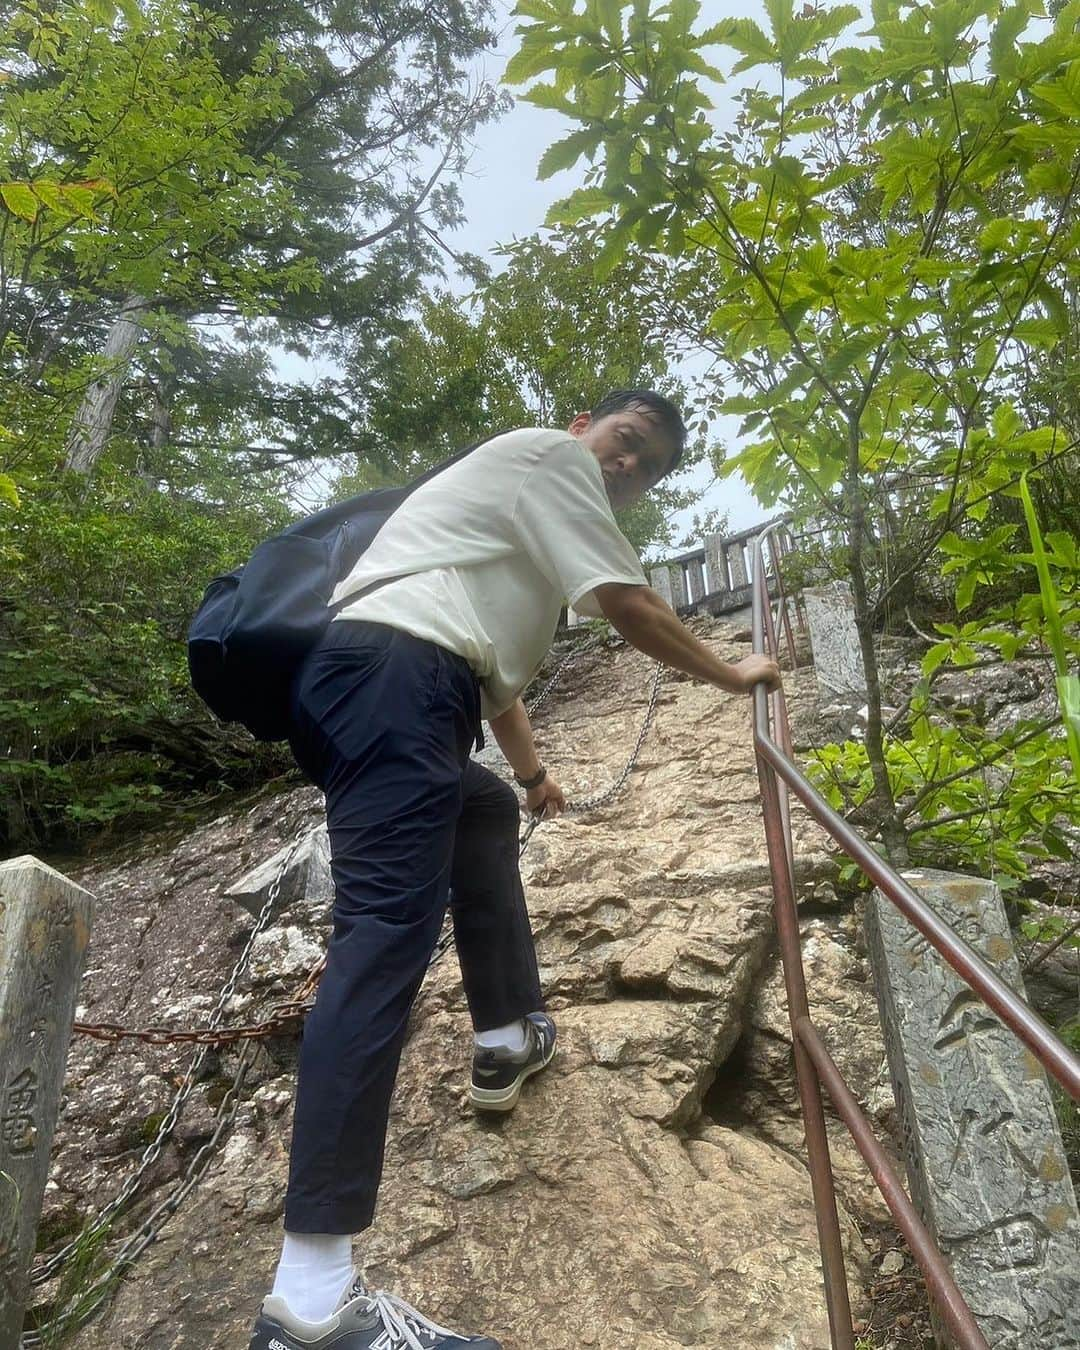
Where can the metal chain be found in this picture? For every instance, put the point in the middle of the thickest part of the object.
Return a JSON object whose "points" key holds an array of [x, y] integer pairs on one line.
{"points": [[574, 654], [586, 803], [602, 798], [49, 1267], [150, 1229], [282, 1016]]}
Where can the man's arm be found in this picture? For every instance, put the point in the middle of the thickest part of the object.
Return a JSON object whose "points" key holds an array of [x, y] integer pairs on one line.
{"points": [[652, 626], [513, 731]]}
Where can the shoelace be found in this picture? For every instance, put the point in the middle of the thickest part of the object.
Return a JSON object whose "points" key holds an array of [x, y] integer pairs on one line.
{"points": [[403, 1325]]}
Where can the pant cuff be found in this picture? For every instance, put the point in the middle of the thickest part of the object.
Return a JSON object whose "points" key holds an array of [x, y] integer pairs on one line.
{"points": [[330, 1217]]}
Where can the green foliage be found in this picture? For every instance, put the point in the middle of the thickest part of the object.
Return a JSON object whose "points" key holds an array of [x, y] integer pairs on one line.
{"points": [[880, 252], [991, 806], [160, 152], [245, 178], [78, 1292], [1068, 685], [185, 188], [97, 718]]}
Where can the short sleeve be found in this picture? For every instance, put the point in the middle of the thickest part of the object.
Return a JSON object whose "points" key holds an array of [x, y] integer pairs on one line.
{"points": [[564, 522]]}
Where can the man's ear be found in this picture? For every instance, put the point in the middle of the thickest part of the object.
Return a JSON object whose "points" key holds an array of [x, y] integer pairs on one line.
{"points": [[580, 424]]}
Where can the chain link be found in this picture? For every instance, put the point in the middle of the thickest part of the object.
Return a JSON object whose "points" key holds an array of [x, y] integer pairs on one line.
{"points": [[283, 1016]]}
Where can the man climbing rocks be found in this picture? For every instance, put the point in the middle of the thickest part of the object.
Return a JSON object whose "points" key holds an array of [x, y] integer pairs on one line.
{"points": [[446, 619]]}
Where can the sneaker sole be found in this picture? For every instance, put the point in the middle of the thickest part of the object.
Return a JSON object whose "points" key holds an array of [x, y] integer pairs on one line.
{"points": [[505, 1099]]}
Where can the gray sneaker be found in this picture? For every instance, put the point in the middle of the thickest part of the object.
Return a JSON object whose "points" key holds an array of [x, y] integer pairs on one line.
{"points": [[497, 1075], [365, 1321]]}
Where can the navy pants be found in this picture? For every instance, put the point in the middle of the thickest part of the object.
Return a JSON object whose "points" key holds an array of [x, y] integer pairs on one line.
{"points": [[383, 722]]}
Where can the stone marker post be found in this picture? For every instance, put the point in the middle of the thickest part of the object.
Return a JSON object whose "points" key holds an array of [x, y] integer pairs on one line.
{"points": [[678, 586], [715, 565], [983, 1148], [834, 640], [44, 931], [660, 581], [695, 570], [736, 564]]}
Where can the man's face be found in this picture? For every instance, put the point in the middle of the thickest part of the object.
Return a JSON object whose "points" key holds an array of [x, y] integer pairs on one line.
{"points": [[632, 449]]}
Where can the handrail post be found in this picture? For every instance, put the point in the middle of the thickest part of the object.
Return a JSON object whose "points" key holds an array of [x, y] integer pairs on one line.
{"points": [[778, 704], [817, 1140], [939, 1279], [778, 844]]}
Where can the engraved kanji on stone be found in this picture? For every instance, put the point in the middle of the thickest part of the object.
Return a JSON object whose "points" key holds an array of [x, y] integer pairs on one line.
{"points": [[18, 1128]]}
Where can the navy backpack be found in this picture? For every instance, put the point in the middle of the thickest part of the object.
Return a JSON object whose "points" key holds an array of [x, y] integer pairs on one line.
{"points": [[256, 624]]}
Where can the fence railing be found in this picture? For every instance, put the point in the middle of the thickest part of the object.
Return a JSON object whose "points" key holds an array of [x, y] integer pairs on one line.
{"points": [[814, 1066], [720, 570]]}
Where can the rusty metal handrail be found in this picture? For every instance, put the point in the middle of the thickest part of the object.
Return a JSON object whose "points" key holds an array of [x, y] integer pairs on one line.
{"points": [[814, 1066]]}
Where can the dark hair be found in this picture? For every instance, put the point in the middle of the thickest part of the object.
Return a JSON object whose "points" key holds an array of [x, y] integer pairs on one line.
{"points": [[656, 405]]}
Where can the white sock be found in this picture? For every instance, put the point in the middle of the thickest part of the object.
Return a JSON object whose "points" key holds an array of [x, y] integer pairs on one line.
{"points": [[509, 1037], [313, 1273]]}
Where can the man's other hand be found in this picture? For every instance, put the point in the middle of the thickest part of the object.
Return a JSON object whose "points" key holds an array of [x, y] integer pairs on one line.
{"points": [[548, 796]]}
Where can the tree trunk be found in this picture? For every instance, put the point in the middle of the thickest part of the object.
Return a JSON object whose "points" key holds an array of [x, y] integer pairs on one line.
{"points": [[90, 430], [893, 834], [149, 468]]}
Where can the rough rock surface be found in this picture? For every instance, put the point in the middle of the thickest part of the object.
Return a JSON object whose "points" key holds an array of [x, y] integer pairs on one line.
{"points": [[618, 1204], [759, 1083]]}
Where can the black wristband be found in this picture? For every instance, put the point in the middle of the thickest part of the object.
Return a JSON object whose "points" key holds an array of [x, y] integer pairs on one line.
{"points": [[534, 782]]}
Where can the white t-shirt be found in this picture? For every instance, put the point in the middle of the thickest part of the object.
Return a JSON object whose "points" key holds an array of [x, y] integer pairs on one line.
{"points": [[487, 553]]}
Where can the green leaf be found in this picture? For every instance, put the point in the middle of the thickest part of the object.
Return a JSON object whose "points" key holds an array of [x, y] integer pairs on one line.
{"points": [[1056, 845], [1052, 177], [648, 230], [1063, 94], [611, 18], [1006, 422], [548, 96], [1045, 332], [936, 656], [51, 196], [580, 205], [20, 200], [997, 234], [9, 493], [965, 589], [565, 153], [1004, 58], [850, 353], [530, 60], [746, 37], [79, 199]]}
